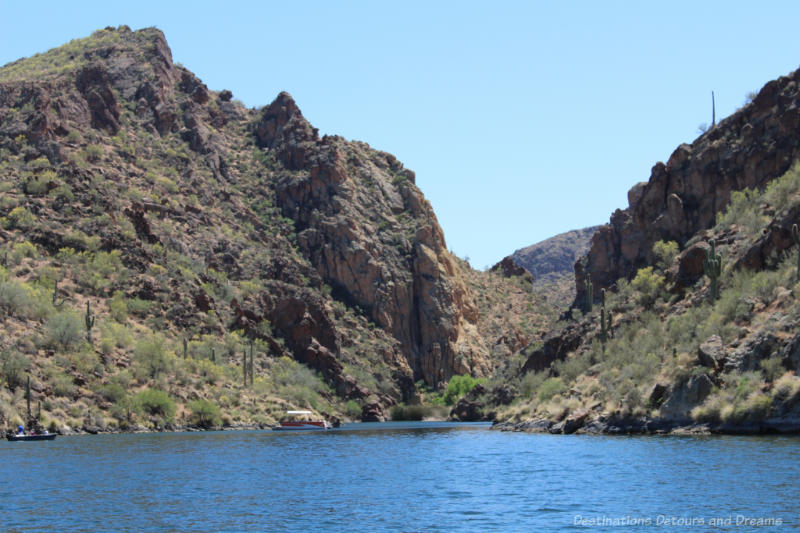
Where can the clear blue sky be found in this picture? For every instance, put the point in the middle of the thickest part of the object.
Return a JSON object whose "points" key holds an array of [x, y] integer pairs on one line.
{"points": [[521, 119]]}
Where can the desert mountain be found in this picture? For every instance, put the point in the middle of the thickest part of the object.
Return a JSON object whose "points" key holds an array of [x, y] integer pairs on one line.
{"points": [[555, 256], [154, 231], [688, 302]]}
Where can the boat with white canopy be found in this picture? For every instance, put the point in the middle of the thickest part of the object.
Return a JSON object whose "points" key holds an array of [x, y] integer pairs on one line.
{"points": [[301, 420]]}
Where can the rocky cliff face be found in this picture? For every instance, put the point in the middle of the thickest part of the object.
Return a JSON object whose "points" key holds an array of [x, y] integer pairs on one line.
{"points": [[374, 238], [751, 147], [667, 352], [227, 221]]}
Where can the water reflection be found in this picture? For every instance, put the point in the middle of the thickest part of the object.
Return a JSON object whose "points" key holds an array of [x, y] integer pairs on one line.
{"points": [[367, 477]]}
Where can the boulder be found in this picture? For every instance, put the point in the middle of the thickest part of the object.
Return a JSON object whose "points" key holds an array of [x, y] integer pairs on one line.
{"points": [[556, 346], [575, 421], [790, 353], [712, 353], [509, 268], [751, 352], [373, 412], [686, 396], [467, 411], [688, 268], [502, 395]]}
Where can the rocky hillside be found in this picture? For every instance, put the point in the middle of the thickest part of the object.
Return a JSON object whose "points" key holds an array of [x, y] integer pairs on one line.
{"points": [[153, 231], [551, 262], [748, 149], [698, 328], [555, 256]]}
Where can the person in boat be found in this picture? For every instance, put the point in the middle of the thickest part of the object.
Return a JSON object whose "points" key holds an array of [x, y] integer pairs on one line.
{"points": [[20, 430]]}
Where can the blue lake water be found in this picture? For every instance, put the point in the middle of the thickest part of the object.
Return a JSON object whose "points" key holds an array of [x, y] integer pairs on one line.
{"points": [[400, 477]]}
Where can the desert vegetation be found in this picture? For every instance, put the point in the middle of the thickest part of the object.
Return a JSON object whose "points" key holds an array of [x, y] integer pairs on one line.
{"points": [[657, 336]]}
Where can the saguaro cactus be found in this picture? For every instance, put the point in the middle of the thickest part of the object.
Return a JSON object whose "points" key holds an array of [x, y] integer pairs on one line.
{"points": [[185, 348], [252, 363], [56, 302], [28, 397], [605, 321], [244, 366], [713, 111], [588, 294], [89, 321], [796, 238], [712, 266]]}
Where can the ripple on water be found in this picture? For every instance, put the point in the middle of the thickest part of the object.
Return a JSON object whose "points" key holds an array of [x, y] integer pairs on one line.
{"points": [[406, 478]]}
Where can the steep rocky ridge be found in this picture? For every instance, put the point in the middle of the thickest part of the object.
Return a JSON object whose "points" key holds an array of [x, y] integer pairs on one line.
{"points": [[663, 353], [747, 149], [551, 262], [372, 235], [556, 255], [178, 214]]}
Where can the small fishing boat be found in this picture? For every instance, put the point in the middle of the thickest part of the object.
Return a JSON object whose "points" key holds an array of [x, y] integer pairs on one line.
{"points": [[37, 436], [299, 421]]}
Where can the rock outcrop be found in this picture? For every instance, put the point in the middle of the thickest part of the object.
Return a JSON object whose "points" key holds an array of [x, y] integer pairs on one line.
{"points": [[375, 240], [746, 150], [226, 227], [508, 267]]}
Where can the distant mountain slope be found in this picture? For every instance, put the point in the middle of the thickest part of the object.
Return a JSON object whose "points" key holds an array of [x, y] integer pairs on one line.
{"points": [[555, 255]]}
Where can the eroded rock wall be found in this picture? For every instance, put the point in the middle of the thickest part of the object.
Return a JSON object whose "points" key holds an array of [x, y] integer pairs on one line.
{"points": [[751, 147], [374, 238]]}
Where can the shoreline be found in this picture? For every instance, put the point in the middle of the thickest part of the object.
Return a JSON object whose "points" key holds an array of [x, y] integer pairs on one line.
{"points": [[237, 427], [652, 426]]}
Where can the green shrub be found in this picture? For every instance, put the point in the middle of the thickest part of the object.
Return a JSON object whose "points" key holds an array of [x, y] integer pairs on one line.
{"points": [[530, 383], [210, 371], [550, 388], [755, 407], [93, 153], [63, 386], [62, 193], [22, 250], [21, 218], [665, 253], [352, 409], [64, 330], [14, 366], [151, 354], [648, 284], [138, 307], [205, 414], [772, 368], [39, 162], [118, 307], [763, 285], [15, 299], [787, 389], [571, 367], [407, 412], [458, 387], [156, 402], [113, 392], [37, 185], [744, 209], [780, 193]]}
